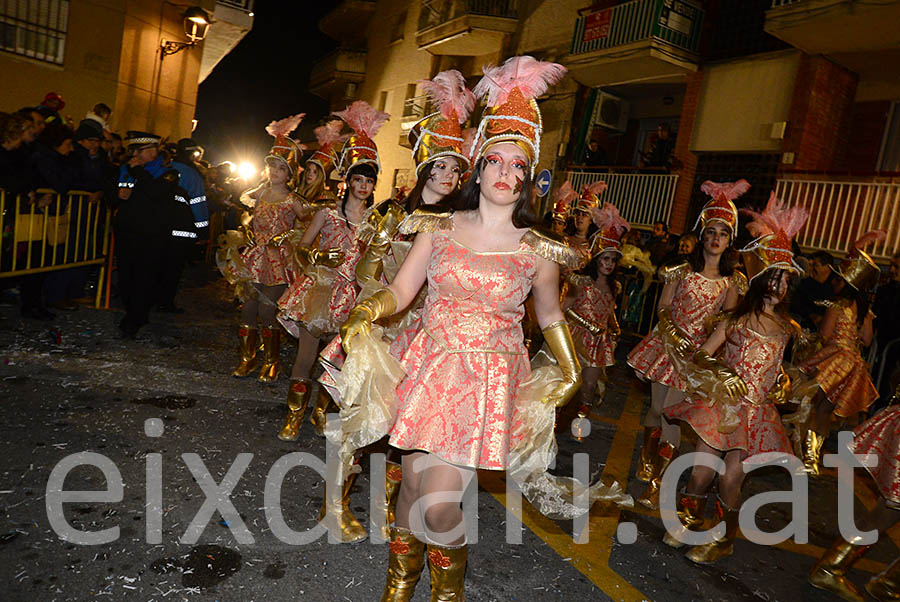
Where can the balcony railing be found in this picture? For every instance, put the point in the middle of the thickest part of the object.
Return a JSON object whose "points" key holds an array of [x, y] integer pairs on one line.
{"points": [[438, 12], [414, 109], [842, 209], [676, 22], [338, 67], [641, 198]]}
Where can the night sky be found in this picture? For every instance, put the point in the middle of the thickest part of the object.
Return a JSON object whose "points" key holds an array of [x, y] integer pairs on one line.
{"points": [[264, 78]]}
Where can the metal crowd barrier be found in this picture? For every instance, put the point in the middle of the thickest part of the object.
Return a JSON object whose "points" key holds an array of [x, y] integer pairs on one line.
{"points": [[636, 310], [71, 231]]}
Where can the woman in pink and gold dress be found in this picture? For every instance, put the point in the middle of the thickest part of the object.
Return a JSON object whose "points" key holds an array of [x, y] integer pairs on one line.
{"points": [[463, 370], [731, 404], [693, 293]]}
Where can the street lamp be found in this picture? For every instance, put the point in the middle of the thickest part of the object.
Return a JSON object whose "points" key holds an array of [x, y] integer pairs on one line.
{"points": [[196, 25]]}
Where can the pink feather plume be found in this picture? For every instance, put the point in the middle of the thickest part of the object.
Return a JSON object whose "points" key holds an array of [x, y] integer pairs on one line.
{"points": [[594, 189], [468, 136], [329, 134], [870, 237], [776, 216], [531, 76], [564, 196], [608, 217], [730, 190], [285, 126], [450, 95], [363, 118]]}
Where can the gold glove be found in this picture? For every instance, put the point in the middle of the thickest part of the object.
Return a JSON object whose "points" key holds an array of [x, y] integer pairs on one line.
{"points": [[290, 236], [613, 325], [559, 340], [328, 257], [248, 234], [679, 338], [590, 326], [733, 383], [780, 393], [371, 264], [381, 304]]}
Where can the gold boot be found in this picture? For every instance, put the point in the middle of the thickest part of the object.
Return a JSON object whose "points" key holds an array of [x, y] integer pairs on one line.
{"points": [[249, 345], [829, 573], [885, 586], [811, 448], [270, 370], [298, 399], [649, 454], [722, 547], [337, 518], [405, 566], [392, 479], [447, 567], [650, 497], [319, 415], [690, 513]]}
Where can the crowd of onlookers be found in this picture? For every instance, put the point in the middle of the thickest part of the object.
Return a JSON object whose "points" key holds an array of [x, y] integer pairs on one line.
{"points": [[41, 150]]}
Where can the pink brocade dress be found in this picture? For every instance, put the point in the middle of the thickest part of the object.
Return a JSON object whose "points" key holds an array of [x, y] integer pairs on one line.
{"points": [[839, 368], [756, 358], [696, 299], [464, 366], [267, 264], [594, 351], [880, 435], [321, 299]]}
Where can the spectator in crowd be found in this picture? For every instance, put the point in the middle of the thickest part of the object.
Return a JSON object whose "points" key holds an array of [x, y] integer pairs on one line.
{"points": [[595, 154], [50, 107], [37, 121], [660, 153], [686, 244], [100, 114], [13, 173], [887, 327], [115, 150], [817, 286], [660, 243]]}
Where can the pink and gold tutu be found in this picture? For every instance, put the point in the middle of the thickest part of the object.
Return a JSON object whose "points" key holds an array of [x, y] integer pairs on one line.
{"points": [[880, 435], [594, 351]]}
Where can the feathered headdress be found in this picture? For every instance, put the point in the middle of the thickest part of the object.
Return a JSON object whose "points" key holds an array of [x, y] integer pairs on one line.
{"points": [[774, 229], [590, 196], [512, 114], [360, 146], [563, 200], [286, 149], [858, 269], [720, 207], [328, 137], [611, 226], [439, 134]]}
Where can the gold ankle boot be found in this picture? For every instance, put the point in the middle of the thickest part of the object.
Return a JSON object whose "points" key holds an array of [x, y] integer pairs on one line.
{"points": [[649, 454], [650, 497], [447, 567], [690, 514], [722, 547], [829, 573], [271, 368], [392, 478], [336, 517], [319, 415], [298, 399], [249, 346], [811, 448], [885, 586], [405, 566]]}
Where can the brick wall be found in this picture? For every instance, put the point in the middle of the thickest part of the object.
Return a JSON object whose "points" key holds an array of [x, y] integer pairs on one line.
{"points": [[868, 121], [683, 156], [819, 118]]}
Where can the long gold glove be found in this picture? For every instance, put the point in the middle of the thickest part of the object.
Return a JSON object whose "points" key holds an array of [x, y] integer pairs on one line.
{"points": [[248, 234], [559, 340], [588, 325], [331, 258], [678, 337], [371, 264], [379, 305], [732, 382], [781, 390]]}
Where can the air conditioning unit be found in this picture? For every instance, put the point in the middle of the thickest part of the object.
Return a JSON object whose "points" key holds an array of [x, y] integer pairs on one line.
{"points": [[611, 112]]}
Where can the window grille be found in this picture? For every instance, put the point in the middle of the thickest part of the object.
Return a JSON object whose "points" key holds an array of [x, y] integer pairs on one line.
{"points": [[35, 28]]}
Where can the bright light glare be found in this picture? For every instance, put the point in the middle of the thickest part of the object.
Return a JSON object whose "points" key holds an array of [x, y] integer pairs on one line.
{"points": [[247, 170]]}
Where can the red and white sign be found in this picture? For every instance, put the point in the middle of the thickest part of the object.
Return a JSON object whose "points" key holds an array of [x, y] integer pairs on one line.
{"points": [[596, 25]]}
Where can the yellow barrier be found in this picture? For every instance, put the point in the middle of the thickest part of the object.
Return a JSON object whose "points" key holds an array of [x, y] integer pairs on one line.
{"points": [[54, 232]]}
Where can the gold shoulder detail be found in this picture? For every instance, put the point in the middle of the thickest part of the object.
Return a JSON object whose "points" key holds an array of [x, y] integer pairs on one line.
{"points": [[554, 247], [739, 281], [674, 273], [427, 219], [618, 288]]}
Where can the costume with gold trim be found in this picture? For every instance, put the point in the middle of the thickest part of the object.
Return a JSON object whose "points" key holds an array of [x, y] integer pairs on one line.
{"points": [[880, 435]]}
